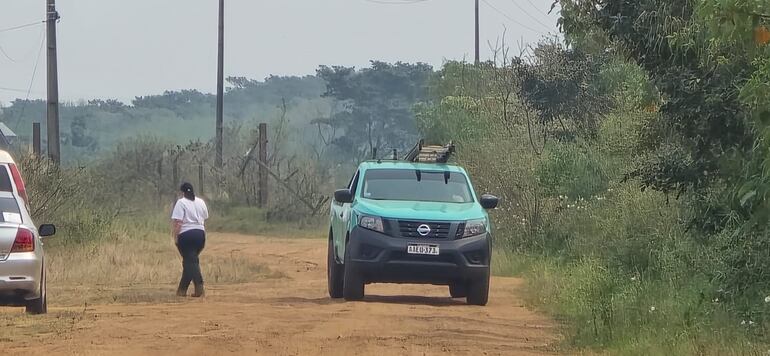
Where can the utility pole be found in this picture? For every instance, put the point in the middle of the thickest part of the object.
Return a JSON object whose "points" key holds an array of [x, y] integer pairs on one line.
{"points": [[220, 83], [53, 84], [477, 32]]}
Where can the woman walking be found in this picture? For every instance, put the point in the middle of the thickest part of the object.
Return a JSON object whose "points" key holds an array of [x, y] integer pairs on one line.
{"points": [[187, 220]]}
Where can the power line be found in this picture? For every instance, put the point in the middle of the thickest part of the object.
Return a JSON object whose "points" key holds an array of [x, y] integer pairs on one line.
{"points": [[31, 82], [22, 26], [396, 2], [538, 9], [530, 15], [533, 5], [5, 54], [510, 18], [13, 90]]}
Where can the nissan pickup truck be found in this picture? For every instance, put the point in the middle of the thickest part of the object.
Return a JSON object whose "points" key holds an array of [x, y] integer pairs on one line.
{"points": [[410, 222]]}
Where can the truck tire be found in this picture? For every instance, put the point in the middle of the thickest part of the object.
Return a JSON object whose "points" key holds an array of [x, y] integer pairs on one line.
{"points": [[478, 291], [353, 286], [335, 272], [39, 305], [458, 290]]}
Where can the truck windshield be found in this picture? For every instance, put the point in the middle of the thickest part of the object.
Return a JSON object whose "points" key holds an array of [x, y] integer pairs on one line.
{"points": [[416, 185]]}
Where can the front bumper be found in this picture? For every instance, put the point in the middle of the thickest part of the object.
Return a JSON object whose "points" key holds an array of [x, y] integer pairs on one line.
{"points": [[382, 258], [20, 278]]}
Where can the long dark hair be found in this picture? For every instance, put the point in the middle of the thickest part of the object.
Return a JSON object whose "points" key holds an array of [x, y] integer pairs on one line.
{"points": [[188, 191]]}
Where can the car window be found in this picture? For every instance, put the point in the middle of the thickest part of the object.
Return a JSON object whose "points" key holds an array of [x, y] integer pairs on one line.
{"points": [[417, 185], [9, 210], [5, 180]]}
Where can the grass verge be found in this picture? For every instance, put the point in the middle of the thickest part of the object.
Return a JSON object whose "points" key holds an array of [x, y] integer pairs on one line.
{"points": [[254, 221], [608, 314], [131, 265]]}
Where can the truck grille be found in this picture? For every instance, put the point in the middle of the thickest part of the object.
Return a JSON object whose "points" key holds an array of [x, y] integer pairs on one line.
{"points": [[438, 230]]}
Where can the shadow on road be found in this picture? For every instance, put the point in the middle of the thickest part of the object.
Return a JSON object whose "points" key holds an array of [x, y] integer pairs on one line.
{"points": [[389, 299], [414, 300]]}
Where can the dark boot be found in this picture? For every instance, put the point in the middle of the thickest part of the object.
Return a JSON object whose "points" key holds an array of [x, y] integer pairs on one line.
{"points": [[184, 284], [199, 291]]}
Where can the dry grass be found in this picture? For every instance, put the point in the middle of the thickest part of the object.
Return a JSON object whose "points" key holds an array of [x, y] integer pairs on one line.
{"points": [[134, 268]]}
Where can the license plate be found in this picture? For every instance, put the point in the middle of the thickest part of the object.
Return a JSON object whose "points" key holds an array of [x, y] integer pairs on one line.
{"points": [[422, 249]]}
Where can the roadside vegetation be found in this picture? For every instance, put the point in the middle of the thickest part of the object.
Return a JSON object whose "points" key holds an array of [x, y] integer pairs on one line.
{"points": [[631, 159], [631, 165]]}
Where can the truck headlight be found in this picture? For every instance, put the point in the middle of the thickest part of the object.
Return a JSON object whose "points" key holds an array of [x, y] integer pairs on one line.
{"points": [[475, 228], [373, 223]]}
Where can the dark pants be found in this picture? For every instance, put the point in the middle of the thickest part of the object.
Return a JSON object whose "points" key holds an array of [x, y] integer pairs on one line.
{"points": [[190, 244]]}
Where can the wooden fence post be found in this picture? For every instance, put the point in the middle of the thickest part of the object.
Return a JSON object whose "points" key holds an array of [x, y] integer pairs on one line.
{"points": [[262, 193], [200, 179], [36, 139]]}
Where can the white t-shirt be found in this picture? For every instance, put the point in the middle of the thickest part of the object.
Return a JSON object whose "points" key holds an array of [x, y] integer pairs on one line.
{"points": [[193, 214]]}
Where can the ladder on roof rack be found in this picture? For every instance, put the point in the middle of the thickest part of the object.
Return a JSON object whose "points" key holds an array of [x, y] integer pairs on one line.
{"points": [[430, 153]]}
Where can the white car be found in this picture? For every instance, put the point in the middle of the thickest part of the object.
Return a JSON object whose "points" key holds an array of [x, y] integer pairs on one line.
{"points": [[22, 262]]}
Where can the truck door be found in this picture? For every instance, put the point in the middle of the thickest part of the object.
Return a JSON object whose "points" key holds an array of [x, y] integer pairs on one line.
{"points": [[341, 217]]}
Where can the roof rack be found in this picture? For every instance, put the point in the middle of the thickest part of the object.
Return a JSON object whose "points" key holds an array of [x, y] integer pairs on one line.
{"points": [[430, 153]]}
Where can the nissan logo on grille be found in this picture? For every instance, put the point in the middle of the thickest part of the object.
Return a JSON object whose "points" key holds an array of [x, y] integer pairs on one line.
{"points": [[423, 230]]}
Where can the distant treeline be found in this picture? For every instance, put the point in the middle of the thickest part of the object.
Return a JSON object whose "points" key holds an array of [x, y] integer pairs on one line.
{"points": [[344, 112]]}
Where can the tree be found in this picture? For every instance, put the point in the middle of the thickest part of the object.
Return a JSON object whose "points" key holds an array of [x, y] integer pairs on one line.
{"points": [[710, 62], [377, 105], [80, 135], [702, 121]]}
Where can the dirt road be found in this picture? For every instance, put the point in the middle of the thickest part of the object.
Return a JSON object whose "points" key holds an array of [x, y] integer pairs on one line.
{"points": [[294, 316]]}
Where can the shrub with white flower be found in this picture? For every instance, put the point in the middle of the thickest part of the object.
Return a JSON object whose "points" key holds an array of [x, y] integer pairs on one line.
{"points": [[652, 309], [767, 299]]}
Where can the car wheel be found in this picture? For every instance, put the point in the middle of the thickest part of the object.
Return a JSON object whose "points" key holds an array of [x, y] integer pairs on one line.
{"points": [[353, 286], [335, 272], [478, 290], [458, 290], [39, 305]]}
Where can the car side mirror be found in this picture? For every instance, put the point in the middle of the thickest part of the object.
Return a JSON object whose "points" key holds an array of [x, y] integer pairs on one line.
{"points": [[489, 201], [46, 230], [343, 196]]}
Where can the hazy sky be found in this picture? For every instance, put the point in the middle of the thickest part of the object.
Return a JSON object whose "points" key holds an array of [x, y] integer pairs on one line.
{"points": [[124, 48]]}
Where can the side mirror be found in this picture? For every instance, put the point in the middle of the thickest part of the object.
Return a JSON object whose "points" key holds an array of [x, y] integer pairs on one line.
{"points": [[489, 201], [46, 230], [343, 196]]}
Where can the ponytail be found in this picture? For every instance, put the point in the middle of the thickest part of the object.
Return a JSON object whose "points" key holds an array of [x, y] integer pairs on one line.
{"points": [[188, 191]]}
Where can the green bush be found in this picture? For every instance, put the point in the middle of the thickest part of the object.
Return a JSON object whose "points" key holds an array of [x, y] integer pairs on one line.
{"points": [[630, 271], [571, 170]]}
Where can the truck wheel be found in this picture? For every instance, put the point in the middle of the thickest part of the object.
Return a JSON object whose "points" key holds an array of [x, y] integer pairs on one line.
{"points": [[478, 290], [335, 272], [353, 287], [39, 305], [458, 290]]}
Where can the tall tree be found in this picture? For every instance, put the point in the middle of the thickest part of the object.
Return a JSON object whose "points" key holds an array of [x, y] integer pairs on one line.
{"points": [[377, 105]]}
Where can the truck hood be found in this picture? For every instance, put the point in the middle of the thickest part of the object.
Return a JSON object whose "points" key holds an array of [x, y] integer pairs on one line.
{"points": [[412, 210]]}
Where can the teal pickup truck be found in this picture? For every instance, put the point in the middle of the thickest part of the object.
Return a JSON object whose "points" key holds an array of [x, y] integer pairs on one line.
{"points": [[410, 222]]}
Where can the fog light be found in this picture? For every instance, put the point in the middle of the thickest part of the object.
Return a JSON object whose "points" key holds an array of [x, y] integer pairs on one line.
{"points": [[369, 252], [475, 257]]}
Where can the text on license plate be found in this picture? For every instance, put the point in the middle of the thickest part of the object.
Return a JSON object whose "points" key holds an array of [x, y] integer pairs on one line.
{"points": [[422, 249]]}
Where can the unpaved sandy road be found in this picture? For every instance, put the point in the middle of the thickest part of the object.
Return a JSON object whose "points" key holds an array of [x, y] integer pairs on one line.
{"points": [[294, 316]]}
